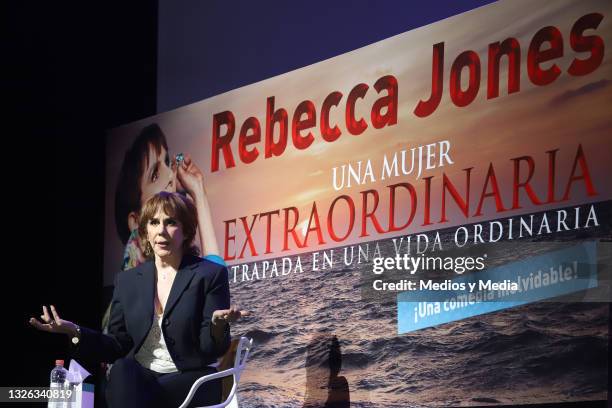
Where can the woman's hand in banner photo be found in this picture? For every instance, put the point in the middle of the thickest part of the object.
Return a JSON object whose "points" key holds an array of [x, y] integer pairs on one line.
{"points": [[191, 178], [54, 324]]}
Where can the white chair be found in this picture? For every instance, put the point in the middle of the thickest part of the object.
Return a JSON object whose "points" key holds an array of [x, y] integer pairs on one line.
{"points": [[242, 352]]}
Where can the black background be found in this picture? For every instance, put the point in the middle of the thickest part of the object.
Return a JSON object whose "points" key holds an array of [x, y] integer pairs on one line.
{"points": [[74, 71]]}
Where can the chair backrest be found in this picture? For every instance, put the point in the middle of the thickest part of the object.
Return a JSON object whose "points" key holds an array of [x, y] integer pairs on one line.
{"points": [[232, 358], [242, 349], [242, 353]]}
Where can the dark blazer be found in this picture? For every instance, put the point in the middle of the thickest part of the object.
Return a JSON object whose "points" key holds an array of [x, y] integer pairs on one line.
{"points": [[199, 288]]}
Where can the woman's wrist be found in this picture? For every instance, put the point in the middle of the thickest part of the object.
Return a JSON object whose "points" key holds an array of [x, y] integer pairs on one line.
{"points": [[74, 331], [200, 198], [218, 329]]}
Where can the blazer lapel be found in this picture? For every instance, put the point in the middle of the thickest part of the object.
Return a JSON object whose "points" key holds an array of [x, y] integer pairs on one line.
{"points": [[146, 286], [181, 281]]}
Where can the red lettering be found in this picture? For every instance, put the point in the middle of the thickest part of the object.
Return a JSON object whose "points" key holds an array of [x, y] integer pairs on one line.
{"points": [[298, 124], [458, 96], [551, 175], [464, 205], [268, 215], [314, 215], [222, 142], [379, 120], [585, 175], [535, 56], [424, 109], [492, 180], [354, 126], [365, 214], [351, 217], [590, 43], [245, 139], [329, 134], [413, 205], [427, 206], [229, 238], [511, 48], [296, 239], [272, 117], [248, 230], [525, 184]]}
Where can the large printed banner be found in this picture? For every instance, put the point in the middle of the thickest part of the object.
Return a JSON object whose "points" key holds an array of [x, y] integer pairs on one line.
{"points": [[348, 195]]}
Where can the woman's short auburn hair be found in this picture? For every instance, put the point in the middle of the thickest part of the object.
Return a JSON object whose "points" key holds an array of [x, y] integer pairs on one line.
{"points": [[174, 205]]}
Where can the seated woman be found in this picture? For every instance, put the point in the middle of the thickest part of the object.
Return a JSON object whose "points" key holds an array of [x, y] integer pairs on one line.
{"points": [[169, 316]]}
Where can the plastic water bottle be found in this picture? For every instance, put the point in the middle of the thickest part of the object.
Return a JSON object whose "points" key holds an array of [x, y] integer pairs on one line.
{"points": [[73, 382], [58, 380]]}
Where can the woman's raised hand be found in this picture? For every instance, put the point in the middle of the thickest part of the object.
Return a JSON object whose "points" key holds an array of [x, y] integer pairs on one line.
{"points": [[228, 315], [53, 324]]}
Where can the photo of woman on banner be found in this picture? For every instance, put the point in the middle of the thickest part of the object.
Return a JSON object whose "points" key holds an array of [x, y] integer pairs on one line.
{"points": [[148, 169]]}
